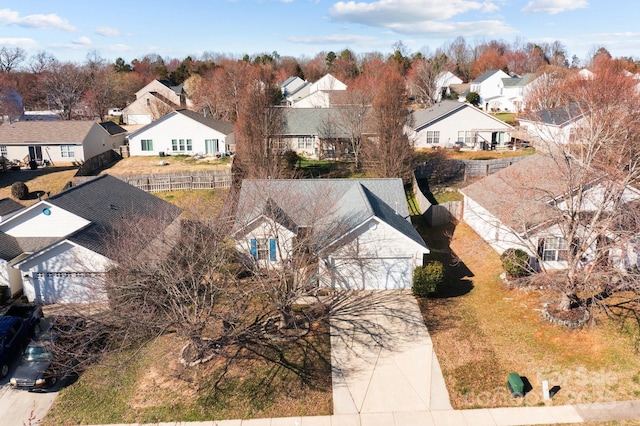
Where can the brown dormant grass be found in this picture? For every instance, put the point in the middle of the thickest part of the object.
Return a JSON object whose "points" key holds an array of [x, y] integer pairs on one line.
{"points": [[48, 179], [482, 335], [170, 164]]}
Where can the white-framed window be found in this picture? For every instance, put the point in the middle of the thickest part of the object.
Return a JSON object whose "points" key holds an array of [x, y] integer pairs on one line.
{"points": [[553, 249], [305, 142], [146, 144], [3, 151], [181, 145], [263, 249], [467, 137], [66, 151], [433, 136]]}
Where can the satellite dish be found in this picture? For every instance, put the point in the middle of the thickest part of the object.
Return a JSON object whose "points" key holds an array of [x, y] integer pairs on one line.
{"points": [[46, 211]]}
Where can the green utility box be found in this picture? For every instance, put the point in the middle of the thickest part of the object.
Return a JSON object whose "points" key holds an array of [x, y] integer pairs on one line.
{"points": [[515, 385]]}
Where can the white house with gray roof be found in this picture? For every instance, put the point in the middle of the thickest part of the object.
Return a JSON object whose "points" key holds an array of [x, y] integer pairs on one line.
{"points": [[448, 123], [183, 132], [318, 94], [314, 132], [501, 92], [57, 250], [154, 100], [521, 207], [361, 229], [554, 126], [58, 142]]}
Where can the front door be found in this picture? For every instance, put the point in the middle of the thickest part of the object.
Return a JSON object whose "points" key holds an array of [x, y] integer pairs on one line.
{"points": [[35, 153]]}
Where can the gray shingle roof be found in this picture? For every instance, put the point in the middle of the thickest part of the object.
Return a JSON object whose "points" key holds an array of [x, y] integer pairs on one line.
{"points": [[64, 132], [485, 76], [558, 116], [104, 201], [112, 128], [315, 121], [519, 195], [424, 117], [223, 127], [329, 202], [8, 205], [9, 247]]}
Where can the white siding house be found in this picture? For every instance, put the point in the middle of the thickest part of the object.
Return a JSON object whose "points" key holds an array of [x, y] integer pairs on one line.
{"points": [[363, 236], [554, 126], [58, 142], [522, 207], [56, 250], [318, 94], [183, 132], [155, 100], [448, 123]]}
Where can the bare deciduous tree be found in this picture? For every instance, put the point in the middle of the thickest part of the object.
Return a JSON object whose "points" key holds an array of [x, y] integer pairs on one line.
{"points": [[258, 129], [10, 58], [65, 84], [389, 153], [595, 211]]}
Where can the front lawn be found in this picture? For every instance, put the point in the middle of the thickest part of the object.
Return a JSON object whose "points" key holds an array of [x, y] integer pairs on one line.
{"points": [[482, 330], [149, 385]]}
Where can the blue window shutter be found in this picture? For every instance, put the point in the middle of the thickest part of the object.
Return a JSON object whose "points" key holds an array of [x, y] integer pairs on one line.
{"points": [[254, 248], [272, 250]]}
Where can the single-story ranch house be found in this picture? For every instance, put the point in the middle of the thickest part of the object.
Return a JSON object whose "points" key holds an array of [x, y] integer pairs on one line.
{"points": [[183, 132], [521, 207], [58, 142], [448, 123], [362, 233]]}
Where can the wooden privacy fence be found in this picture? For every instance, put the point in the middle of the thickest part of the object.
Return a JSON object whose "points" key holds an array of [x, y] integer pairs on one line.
{"points": [[444, 170], [213, 179], [444, 213], [437, 214]]}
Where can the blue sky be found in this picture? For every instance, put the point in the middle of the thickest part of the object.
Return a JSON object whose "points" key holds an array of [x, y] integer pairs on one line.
{"points": [[69, 29]]}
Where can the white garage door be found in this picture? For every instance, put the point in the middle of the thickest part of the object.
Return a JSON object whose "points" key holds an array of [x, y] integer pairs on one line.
{"points": [[57, 288], [373, 274], [137, 119]]}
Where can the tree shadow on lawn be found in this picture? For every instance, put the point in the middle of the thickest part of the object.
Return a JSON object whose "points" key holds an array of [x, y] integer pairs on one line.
{"points": [[25, 175]]}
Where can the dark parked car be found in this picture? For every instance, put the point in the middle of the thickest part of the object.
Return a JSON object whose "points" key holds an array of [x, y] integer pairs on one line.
{"points": [[17, 326], [42, 362], [35, 371]]}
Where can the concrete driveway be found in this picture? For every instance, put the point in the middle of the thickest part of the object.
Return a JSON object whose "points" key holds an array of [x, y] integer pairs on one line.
{"points": [[22, 408], [388, 365]]}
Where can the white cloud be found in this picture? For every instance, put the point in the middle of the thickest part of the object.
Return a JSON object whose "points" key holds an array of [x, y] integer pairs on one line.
{"points": [[330, 39], [39, 21], [82, 41], [553, 7], [447, 29], [25, 43], [423, 17], [382, 12], [108, 32]]}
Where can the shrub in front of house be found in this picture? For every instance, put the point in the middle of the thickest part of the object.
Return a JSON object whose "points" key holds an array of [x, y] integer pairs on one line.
{"points": [[515, 263], [427, 279], [19, 190]]}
